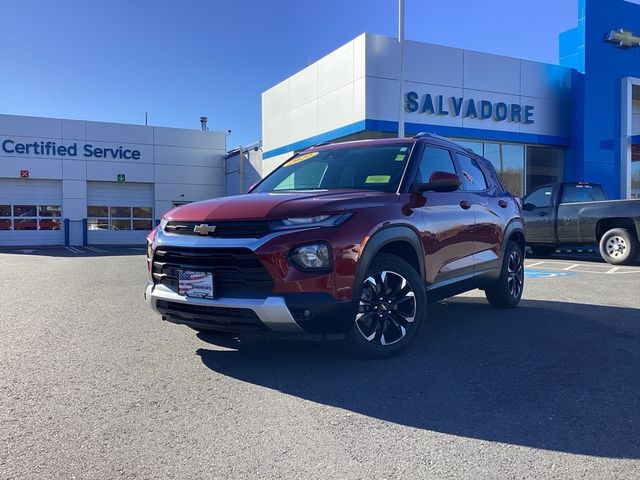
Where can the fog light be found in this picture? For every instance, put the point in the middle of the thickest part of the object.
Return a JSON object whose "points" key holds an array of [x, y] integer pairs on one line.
{"points": [[313, 257]]}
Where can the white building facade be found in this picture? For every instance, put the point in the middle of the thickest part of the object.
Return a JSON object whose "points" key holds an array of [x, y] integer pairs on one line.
{"points": [[71, 182], [516, 113]]}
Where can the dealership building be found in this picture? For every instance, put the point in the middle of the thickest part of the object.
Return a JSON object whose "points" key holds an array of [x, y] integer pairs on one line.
{"points": [[536, 122], [70, 182]]}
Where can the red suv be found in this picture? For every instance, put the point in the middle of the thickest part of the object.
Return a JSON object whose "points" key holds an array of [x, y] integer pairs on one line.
{"points": [[347, 239]]}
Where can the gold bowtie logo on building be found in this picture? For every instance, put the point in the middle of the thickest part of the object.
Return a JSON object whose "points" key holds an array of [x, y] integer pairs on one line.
{"points": [[204, 229], [623, 38]]}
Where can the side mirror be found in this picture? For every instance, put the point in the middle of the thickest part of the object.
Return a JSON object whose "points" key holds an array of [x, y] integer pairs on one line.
{"points": [[529, 207], [439, 182]]}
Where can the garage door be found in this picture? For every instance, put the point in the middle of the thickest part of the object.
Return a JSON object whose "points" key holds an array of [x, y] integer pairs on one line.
{"points": [[119, 213], [31, 212]]}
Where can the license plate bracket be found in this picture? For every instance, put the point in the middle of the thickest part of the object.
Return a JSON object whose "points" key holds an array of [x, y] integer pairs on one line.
{"points": [[196, 284]]}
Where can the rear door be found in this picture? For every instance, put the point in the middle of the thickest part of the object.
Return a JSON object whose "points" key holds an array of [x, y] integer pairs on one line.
{"points": [[448, 221], [538, 215], [489, 204]]}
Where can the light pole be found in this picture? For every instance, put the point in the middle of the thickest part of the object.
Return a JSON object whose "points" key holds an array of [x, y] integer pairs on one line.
{"points": [[401, 81], [226, 134]]}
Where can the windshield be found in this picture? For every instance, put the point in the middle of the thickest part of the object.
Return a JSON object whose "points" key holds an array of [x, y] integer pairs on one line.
{"points": [[371, 167]]}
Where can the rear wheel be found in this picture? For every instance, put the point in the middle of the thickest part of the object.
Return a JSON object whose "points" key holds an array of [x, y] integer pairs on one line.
{"points": [[392, 303], [618, 246], [506, 292]]}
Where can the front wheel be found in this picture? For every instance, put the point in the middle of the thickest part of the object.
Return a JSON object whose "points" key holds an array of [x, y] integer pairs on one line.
{"points": [[392, 302], [618, 246], [506, 292]]}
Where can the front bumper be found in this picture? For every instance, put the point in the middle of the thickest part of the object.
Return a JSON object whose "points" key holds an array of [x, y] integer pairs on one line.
{"points": [[223, 314], [294, 314], [296, 303]]}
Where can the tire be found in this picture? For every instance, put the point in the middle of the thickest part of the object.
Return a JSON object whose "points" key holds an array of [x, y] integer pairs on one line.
{"points": [[618, 246], [392, 305], [506, 292], [542, 250]]}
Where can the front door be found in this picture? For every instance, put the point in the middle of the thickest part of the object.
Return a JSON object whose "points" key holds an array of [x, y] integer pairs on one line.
{"points": [[447, 223], [537, 211]]}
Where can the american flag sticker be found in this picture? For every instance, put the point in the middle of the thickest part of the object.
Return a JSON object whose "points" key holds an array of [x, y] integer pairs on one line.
{"points": [[195, 284]]}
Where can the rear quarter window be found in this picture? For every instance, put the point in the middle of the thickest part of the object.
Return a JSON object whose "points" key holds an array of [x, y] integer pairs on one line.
{"points": [[582, 193]]}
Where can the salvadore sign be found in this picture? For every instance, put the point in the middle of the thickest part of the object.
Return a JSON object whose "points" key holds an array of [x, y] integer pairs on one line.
{"points": [[52, 149], [468, 108]]}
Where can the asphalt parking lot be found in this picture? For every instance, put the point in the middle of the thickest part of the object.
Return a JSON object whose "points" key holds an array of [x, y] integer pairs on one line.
{"points": [[94, 385]]}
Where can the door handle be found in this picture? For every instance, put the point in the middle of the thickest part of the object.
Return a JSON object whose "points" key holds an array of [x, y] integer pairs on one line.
{"points": [[465, 205], [502, 203], [542, 214]]}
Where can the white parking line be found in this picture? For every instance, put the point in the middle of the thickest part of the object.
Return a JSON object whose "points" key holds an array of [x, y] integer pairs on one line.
{"points": [[94, 249], [599, 269], [74, 250], [570, 267], [533, 264]]}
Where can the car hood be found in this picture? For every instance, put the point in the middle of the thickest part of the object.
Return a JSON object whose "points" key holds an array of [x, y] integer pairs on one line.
{"points": [[275, 205]]}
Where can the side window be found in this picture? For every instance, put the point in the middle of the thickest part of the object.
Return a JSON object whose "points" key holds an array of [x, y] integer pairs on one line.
{"points": [[434, 160], [472, 177], [540, 198]]}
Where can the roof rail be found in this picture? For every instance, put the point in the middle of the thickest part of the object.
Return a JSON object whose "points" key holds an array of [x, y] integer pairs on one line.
{"points": [[311, 146], [430, 135]]}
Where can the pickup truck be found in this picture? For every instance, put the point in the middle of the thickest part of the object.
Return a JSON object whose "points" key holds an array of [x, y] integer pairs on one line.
{"points": [[579, 213]]}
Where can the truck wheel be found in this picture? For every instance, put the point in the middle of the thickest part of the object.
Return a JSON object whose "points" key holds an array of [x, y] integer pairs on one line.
{"points": [[618, 247], [506, 292], [392, 303], [542, 250]]}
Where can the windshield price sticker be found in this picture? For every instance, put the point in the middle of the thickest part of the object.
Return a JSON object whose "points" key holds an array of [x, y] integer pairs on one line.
{"points": [[300, 158], [378, 179]]}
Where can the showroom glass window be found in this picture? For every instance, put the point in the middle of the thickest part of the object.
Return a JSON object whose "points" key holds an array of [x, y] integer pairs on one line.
{"points": [[635, 172], [508, 160], [544, 165]]}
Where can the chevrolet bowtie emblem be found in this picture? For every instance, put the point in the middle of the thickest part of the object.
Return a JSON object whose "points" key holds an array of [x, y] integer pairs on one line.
{"points": [[623, 38], [204, 229]]}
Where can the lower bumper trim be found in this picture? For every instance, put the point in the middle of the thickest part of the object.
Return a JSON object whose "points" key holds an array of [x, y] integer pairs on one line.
{"points": [[271, 311]]}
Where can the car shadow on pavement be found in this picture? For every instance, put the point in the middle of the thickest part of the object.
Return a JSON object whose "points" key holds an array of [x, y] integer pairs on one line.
{"points": [[550, 375]]}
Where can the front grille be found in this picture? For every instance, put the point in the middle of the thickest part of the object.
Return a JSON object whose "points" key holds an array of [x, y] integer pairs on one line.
{"points": [[237, 272], [222, 318], [251, 229]]}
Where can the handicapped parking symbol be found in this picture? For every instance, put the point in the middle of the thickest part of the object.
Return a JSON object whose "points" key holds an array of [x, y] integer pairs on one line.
{"points": [[532, 273]]}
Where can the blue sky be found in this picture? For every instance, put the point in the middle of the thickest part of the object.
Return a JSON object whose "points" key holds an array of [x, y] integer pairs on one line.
{"points": [[113, 60]]}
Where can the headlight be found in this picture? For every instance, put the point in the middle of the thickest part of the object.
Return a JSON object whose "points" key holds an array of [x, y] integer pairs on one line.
{"points": [[315, 221], [313, 257], [163, 223]]}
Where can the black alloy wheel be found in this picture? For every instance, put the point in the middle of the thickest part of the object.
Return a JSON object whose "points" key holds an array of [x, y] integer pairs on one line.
{"points": [[507, 290], [392, 302], [515, 274], [387, 308]]}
